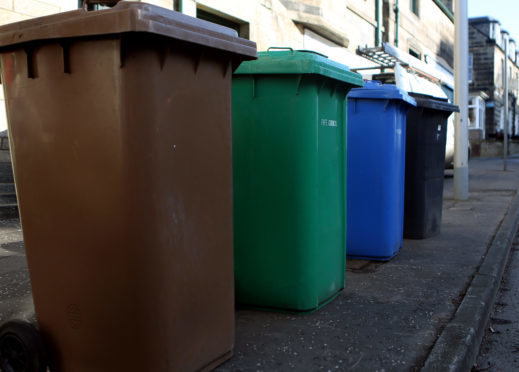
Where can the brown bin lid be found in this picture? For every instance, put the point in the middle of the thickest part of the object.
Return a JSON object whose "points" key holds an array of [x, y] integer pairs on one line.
{"points": [[127, 17]]}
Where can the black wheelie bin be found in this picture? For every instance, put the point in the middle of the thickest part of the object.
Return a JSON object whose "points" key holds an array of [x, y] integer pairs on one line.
{"points": [[424, 165]]}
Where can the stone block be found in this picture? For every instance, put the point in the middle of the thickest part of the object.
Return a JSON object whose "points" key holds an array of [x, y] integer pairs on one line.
{"points": [[8, 16], [35, 8], [6, 4]]}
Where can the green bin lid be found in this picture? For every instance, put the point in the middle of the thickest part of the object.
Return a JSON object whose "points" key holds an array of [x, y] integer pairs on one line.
{"points": [[289, 61]]}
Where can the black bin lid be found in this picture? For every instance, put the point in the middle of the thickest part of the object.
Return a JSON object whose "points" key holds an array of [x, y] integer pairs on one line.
{"points": [[435, 103]]}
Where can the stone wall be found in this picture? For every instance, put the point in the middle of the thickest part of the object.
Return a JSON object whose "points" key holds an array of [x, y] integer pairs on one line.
{"points": [[482, 50], [339, 26], [488, 62], [430, 33], [348, 23], [493, 148], [268, 20], [19, 10]]}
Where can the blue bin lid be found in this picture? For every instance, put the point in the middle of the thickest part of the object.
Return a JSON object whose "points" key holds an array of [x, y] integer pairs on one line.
{"points": [[376, 90]]}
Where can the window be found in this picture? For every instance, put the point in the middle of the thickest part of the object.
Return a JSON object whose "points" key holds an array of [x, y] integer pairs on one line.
{"points": [[414, 6], [512, 50], [89, 6], [177, 5], [471, 67], [415, 54], [242, 28], [497, 34], [448, 5], [501, 77], [206, 16], [334, 51]]}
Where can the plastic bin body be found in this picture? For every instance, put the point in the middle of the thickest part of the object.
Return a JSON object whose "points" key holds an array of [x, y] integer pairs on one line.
{"points": [[125, 189], [424, 166], [376, 161], [289, 134]]}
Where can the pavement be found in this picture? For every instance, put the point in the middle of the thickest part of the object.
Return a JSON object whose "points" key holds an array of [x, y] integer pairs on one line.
{"points": [[426, 309]]}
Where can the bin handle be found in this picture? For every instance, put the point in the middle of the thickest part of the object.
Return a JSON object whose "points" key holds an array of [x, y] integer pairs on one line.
{"points": [[281, 48], [313, 52]]}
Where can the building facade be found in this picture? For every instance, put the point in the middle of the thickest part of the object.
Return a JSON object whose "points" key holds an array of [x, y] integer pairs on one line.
{"points": [[422, 30], [487, 56]]}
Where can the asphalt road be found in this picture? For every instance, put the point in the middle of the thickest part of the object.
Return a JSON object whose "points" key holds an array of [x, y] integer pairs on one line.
{"points": [[499, 350]]}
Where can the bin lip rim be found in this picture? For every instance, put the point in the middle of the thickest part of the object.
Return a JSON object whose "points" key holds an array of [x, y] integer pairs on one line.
{"points": [[126, 17], [435, 103], [299, 62], [380, 91]]}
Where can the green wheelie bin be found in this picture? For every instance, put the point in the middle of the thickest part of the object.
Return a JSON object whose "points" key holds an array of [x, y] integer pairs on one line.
{"points": [[289, 163]]}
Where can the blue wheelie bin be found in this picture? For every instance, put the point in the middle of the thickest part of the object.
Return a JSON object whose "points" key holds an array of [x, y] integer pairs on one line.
{"points": [[375, 170]]}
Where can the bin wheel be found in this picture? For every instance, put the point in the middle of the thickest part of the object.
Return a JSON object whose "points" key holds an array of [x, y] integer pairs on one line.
{"points": [[21, 348]]}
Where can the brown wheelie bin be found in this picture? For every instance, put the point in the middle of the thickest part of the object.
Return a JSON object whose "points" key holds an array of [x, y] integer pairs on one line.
{"points": [[120, 132]]}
